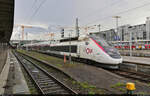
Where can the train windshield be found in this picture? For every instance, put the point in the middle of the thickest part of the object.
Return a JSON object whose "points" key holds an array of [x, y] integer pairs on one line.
{"points": [[100, 40], [114, 53]]}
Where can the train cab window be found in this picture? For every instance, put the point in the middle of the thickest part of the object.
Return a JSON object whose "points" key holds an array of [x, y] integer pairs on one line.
{"points": [[86, 43], [100, 40]]}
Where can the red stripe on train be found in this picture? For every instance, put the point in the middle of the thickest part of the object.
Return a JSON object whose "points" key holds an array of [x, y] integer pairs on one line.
{"points": [[98, 45]]}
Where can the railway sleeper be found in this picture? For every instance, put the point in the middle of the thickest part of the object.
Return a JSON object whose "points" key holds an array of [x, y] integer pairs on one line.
{"points": [[47, 83], [42, 81], [139, 78], [42, 76], [53, 85], [132, 76], [39, 76], [52, 88], [57, 92], [49, 86]]}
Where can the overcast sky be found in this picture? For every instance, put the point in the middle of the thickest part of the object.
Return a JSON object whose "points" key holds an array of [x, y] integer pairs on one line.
{"points": [[51, 13]]}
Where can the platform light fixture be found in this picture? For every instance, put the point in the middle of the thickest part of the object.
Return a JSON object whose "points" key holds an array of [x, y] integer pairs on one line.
{"points": [[117, 17]]}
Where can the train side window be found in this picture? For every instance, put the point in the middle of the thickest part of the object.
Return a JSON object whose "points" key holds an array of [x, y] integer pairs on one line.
{"points": [[86, 43]]}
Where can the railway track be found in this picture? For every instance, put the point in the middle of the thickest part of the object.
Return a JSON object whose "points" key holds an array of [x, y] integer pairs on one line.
{"points": [[133, 75], [45, 82]]}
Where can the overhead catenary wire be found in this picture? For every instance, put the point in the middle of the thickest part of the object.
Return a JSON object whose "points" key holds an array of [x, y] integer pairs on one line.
{"points": [[35, 12], [40, 7], [31, 8], [34, 3], [90, 14], [126, 18], [112, 4], [132, 9]]}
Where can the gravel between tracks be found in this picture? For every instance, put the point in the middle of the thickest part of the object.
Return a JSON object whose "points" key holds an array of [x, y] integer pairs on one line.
{"points": [[102, 79]]}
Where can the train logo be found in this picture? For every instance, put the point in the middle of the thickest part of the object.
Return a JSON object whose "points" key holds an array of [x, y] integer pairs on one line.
{"points": [[89, 51]]}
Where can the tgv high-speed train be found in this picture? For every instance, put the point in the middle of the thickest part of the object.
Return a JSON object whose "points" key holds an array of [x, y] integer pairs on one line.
{"points": [[90, 47]]}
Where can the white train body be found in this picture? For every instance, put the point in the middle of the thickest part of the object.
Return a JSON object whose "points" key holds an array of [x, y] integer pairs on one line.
{"points": [[90, 48]]}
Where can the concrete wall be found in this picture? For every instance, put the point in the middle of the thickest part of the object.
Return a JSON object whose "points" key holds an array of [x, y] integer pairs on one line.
{"points": [[3, 55]]}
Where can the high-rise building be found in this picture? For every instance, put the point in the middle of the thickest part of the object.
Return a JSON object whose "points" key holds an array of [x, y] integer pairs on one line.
{"points": [[148, 28], [123, 32], [138, 32], [109, 35]]}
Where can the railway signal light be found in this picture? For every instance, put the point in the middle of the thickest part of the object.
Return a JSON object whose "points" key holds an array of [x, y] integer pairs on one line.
{"points": [[62, 33]]}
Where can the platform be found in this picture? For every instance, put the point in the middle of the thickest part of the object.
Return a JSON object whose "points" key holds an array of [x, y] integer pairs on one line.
{"points": [[137, 53], [14, 80], [136, 60], [4, 75]]}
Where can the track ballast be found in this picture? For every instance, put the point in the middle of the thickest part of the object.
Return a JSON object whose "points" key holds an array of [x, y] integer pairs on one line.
{"points": [[45, 82]]}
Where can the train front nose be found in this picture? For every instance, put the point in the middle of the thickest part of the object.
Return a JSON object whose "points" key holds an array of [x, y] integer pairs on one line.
{"points": [[112, 52]]}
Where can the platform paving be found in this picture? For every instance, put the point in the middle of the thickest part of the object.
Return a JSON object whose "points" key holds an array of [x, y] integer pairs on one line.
{"points": [[20, 86], [137, 53], [4, 75], [104, 79], [137, 60], [15, 81]]}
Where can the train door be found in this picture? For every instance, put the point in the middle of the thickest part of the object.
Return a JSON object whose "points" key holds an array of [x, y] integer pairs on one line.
{"points": [[81, 50]]}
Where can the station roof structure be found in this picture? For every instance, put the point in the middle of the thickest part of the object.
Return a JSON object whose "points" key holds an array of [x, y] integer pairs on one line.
{"points": [[6, 19]]}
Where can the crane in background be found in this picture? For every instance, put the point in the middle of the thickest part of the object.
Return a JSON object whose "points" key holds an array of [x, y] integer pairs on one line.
{"points": [[51, 35], [86, 28], [22, 27]]}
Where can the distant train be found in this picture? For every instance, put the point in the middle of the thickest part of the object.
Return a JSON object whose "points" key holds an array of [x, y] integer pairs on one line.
{"points": [[89, 47]]}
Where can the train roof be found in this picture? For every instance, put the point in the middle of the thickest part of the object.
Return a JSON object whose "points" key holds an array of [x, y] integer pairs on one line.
{"points": [[39, 43], [69, 39]]}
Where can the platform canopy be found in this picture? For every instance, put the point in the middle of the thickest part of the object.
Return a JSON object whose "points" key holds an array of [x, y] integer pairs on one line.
{"points": [[6, 19]]}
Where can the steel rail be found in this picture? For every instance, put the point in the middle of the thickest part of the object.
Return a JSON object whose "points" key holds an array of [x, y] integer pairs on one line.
{"points": [[69, 90], [133, 75]]}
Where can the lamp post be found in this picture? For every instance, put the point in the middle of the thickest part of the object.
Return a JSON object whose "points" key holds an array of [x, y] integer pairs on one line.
{"points": [[131, 41], [99, 27], [117, 17], [27, 40], [70, 46]]}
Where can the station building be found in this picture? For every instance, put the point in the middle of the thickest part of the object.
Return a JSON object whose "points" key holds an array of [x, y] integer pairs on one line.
{"points": [[138, 32]]}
